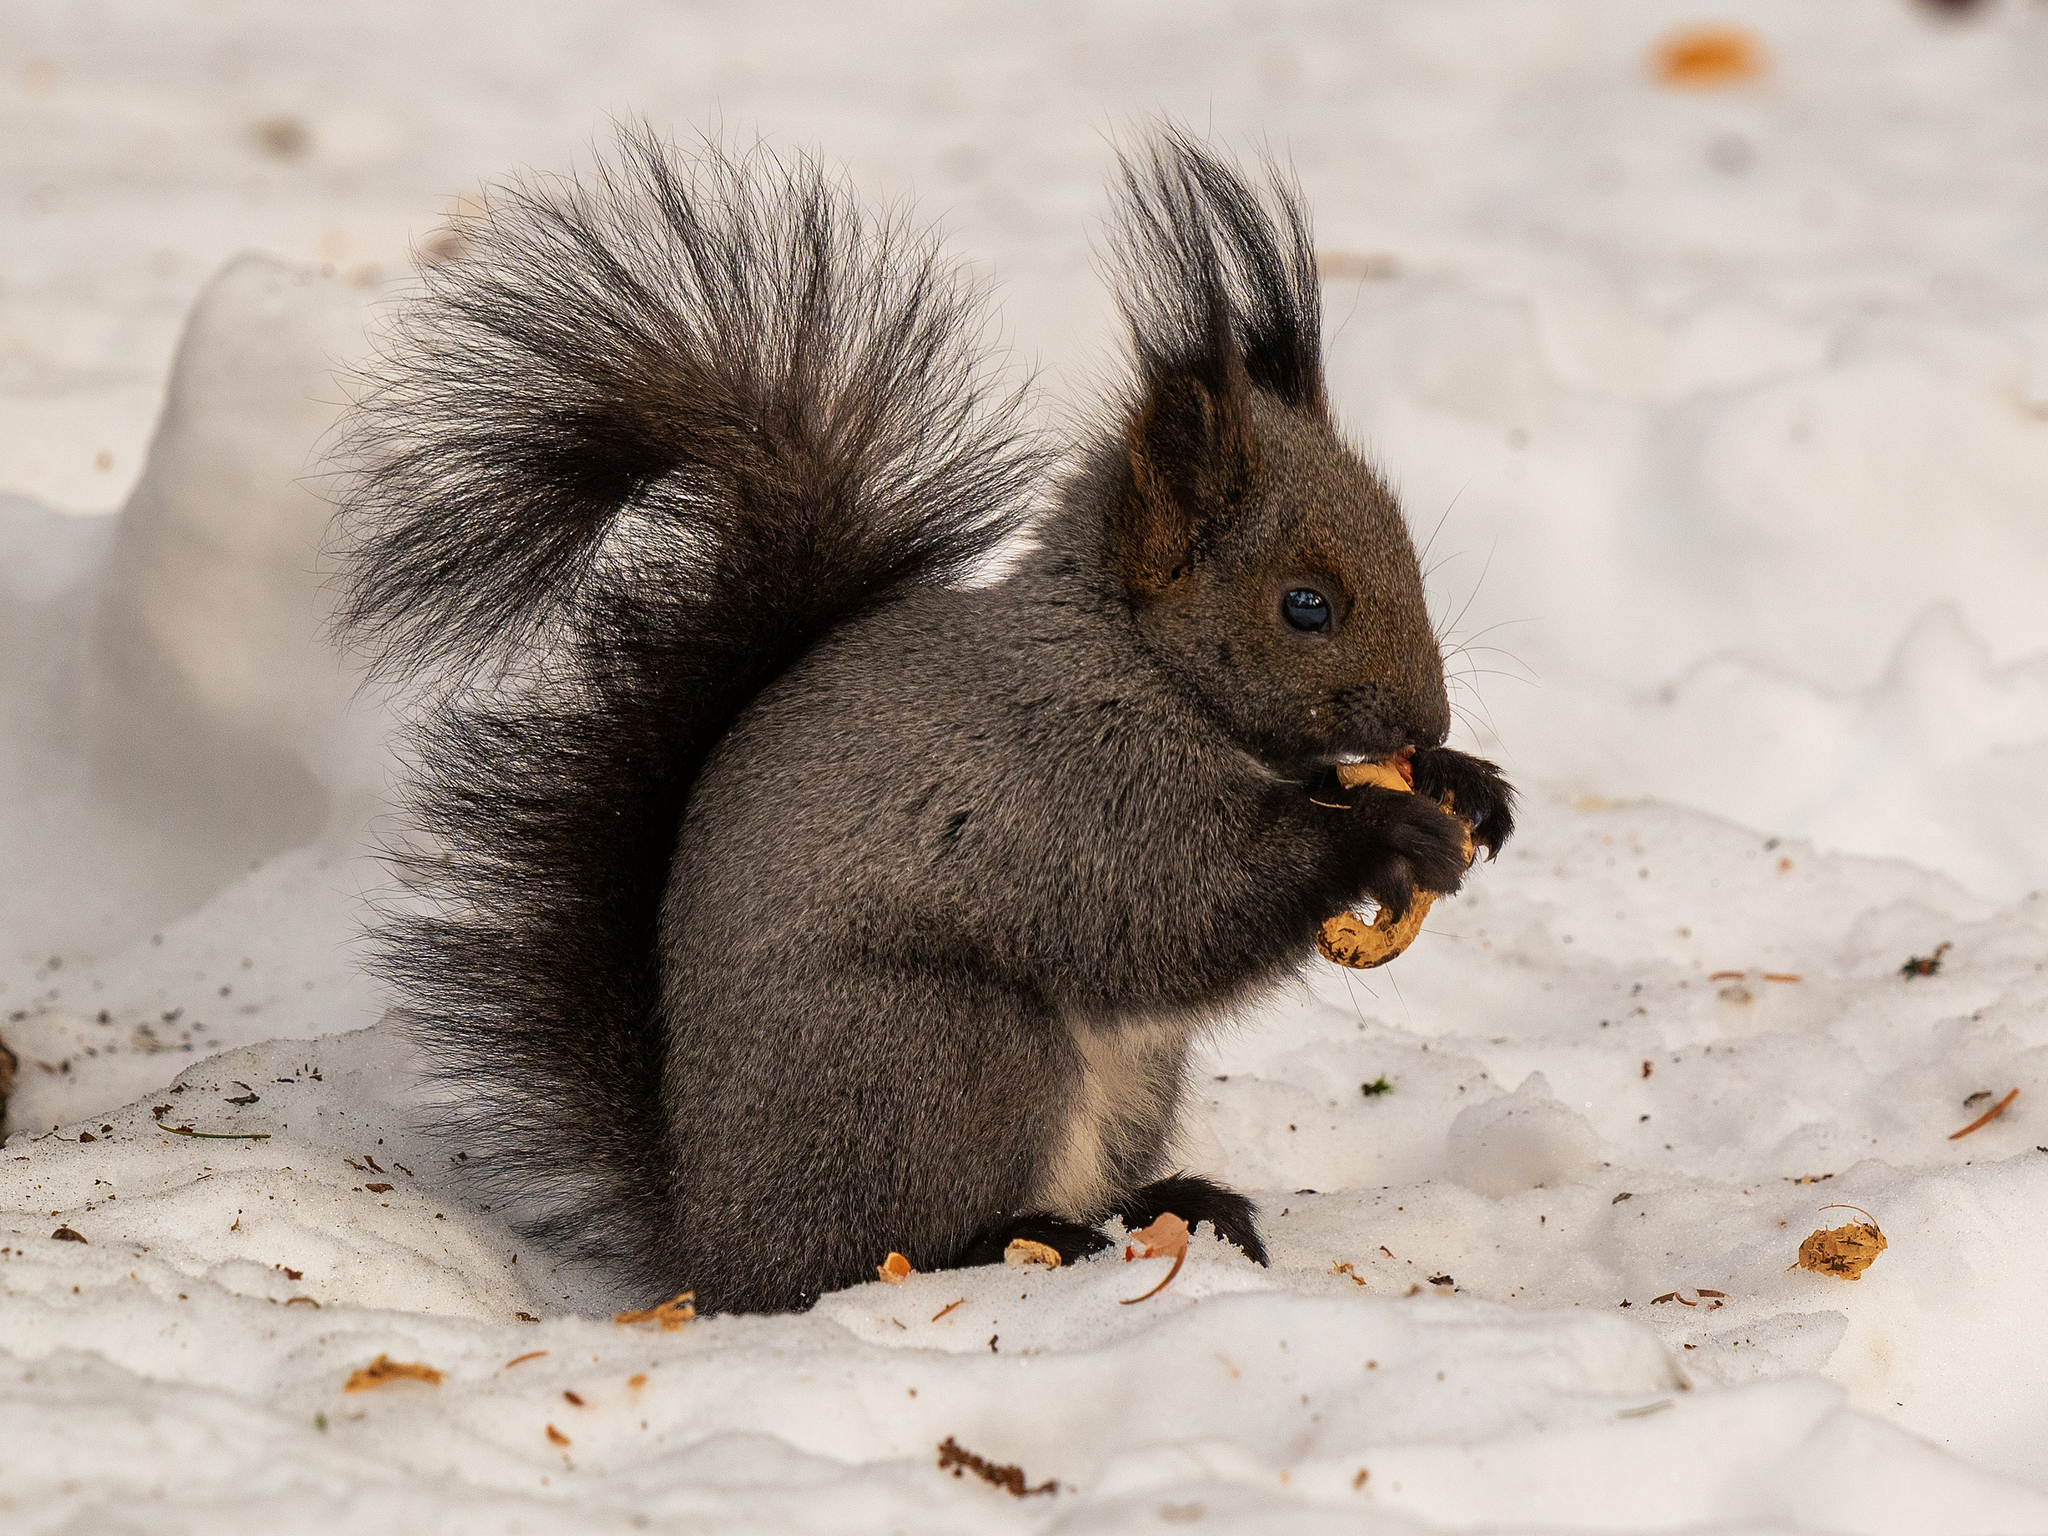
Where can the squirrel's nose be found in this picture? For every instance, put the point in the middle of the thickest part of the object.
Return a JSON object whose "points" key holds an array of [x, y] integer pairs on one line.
{"points": [[1427, 721]]}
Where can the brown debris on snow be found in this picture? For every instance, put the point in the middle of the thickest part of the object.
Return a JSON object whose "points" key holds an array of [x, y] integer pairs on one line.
{"points": [[1926, 965], [1986, 1118], [960, 1460], [1713, 1300]]}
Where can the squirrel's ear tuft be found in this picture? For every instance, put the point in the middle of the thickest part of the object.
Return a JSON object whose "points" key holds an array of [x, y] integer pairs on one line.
{"points": [[1193, 454], [1217, 278], [1192, 237]]}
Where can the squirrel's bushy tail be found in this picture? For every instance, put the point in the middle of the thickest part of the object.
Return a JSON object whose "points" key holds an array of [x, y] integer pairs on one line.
{"points": [[641, 443]]}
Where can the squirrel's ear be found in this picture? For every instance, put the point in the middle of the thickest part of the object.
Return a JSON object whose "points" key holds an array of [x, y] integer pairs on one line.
{"points": [[1192, 453]]}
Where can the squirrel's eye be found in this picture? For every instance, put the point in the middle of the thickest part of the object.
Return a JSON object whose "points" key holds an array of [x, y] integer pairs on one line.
{"points": [[1306, 608]]}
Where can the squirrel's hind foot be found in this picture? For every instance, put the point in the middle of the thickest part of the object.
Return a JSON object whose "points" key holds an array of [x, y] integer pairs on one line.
{"points": [[1193, 1199], [1070, 1239], [1196, 1200]]}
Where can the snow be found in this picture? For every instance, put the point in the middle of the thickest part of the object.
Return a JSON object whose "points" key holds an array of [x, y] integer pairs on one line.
{"points": [[1725, 416]]}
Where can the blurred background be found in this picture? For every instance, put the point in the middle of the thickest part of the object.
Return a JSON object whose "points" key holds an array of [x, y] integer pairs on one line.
{"points": [[1706, 343]]}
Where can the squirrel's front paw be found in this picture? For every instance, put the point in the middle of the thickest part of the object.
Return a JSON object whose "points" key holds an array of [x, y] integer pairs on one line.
{"points": [[1478, 793], [1415, 846]]}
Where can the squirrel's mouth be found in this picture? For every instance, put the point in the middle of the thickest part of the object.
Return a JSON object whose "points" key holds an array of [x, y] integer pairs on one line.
{"points": [[1402, 762]]}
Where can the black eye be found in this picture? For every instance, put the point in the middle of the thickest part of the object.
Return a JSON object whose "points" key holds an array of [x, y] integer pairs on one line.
{"points": [[1306, 608]]}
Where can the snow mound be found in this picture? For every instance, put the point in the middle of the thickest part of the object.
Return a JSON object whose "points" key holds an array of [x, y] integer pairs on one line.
{"points": [[1526, 1140]]}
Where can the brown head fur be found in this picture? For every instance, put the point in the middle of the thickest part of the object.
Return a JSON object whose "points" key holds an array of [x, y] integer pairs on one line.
{"points": [[1237, 488]]}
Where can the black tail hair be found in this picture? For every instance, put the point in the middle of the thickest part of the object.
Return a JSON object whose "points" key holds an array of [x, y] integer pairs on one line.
{"points": [[1207, 262], [638, 446]]}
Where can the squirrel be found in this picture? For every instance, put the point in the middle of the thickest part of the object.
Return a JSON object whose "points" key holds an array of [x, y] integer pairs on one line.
{"points": [[786, 892]]}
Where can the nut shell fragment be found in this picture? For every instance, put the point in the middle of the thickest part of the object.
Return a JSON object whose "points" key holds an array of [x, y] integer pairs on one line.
{"points": [[1022, 1250], [1166, 1238], [385, 1369], [1709, 58], [1844, 1251], [670, 1315]]}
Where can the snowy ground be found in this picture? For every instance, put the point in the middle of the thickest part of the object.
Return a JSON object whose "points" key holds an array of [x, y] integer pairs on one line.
{"points": [[1733, 407]]}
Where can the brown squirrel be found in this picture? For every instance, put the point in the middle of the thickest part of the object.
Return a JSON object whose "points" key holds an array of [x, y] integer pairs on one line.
{"points": [[669, 487]]}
